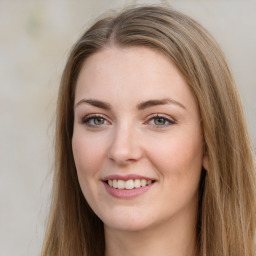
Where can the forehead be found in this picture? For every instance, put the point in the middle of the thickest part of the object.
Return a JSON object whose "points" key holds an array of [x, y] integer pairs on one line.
{"points": [[131, 73]]}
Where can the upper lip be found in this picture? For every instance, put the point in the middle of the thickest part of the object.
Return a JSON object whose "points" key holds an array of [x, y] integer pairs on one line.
{"points": [[126, 177]]}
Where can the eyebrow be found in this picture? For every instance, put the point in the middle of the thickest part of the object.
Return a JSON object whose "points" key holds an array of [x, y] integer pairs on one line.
{"points": [[95, 103], [152, 103], [140, 106]]}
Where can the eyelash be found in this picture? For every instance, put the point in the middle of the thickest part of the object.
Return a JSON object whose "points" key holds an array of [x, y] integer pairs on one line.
{"points": [[86, 120], [163, 117]]}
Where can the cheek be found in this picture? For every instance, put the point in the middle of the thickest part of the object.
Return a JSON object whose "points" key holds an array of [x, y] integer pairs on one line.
{"points": [[179, 156], [89, 153]]}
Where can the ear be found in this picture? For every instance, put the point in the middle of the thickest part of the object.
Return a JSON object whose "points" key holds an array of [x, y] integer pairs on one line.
{"points": [[205, 162]]}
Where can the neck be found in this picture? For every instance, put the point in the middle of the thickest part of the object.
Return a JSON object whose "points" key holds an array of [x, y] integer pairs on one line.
{"points": [[175, 237]]}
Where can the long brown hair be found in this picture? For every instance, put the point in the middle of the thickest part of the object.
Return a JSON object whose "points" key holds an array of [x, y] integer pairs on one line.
{"points": [[227, 209]]}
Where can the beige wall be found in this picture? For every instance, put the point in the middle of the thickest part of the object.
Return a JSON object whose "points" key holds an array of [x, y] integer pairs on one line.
{"points": [[35, 37]]}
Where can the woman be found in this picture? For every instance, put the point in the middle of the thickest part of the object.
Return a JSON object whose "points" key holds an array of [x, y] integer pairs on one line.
{"points": [[152, 150]]}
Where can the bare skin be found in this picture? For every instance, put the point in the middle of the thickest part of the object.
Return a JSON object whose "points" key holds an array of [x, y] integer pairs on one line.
{"points": [[135, 116], [162, 240]]}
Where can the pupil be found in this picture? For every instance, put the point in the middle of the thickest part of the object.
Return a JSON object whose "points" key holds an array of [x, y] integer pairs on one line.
{"points": [[160, 121], [98, 120]]}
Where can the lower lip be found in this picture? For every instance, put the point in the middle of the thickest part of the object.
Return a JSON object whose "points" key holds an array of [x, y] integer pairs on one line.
{"points": [[126, 193]]}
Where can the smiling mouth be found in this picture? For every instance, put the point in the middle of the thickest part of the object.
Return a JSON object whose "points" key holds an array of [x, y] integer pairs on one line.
{"points": [[129, 184]]}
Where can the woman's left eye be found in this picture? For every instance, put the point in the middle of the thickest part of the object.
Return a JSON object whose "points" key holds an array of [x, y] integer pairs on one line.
{"points": [[160, 121]]}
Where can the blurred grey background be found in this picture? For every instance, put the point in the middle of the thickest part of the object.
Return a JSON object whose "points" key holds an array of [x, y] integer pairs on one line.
{"points": [[35, 38]]}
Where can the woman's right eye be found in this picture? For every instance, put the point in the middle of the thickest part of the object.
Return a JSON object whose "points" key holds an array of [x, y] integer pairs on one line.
{"points": [[94, 121]]}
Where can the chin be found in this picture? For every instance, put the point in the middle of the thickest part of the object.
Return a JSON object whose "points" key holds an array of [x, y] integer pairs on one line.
{"points": [[127, 225], [131, 220]]}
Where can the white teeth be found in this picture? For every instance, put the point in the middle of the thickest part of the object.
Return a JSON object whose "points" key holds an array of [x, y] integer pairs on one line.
{"points": [[129, 184], [114, 183], [110, 183], [136, 183], [143, 182], [120, 184]]}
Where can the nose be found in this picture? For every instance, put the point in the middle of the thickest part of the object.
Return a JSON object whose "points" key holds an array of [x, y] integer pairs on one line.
{"points": [[125, 146]]}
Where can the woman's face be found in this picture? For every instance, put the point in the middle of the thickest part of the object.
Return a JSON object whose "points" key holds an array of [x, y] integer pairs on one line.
{"points": [[137, 140]]}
